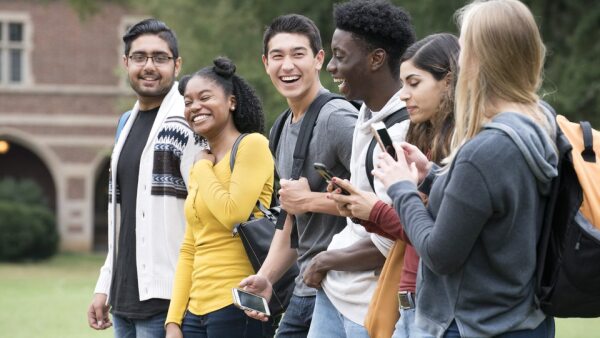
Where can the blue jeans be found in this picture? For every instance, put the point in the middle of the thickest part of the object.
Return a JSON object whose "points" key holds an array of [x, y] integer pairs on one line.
{"points": [[328, 322], [153, 327], [544, 330], [406, 327], [226, 322], [297, 317]]}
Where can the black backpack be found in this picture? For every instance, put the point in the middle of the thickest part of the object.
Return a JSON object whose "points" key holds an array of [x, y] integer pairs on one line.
{"points": [[568, 267], [568, 251], [301, 149]]}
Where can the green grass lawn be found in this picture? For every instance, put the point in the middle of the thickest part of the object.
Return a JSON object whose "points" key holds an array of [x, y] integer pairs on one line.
{"points": [[50, 300]]}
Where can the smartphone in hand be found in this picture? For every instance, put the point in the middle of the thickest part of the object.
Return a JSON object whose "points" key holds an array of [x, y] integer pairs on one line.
{"points": [[249, 301], [328, 176], [383, 138]]}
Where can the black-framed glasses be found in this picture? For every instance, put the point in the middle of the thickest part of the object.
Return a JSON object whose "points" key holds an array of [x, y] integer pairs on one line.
{"points": [[157, 59]]}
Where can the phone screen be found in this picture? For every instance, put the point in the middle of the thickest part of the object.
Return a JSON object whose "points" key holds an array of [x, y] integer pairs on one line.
{"points": [[251, 301], [327, 176], [383, 138]]}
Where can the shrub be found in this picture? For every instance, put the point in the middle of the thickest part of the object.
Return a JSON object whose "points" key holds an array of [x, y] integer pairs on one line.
{"points": [[24, 191], [27, 226]]}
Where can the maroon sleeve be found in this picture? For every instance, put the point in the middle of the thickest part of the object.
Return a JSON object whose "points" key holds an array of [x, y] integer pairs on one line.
{"points": [[384, 221], [372, 227]]}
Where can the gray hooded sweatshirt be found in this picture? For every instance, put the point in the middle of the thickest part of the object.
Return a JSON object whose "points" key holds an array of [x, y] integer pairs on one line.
{"points": [[477, 237]]}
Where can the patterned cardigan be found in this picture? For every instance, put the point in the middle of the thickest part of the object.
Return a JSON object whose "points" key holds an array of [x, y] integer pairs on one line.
{"points": [[165, 164]]}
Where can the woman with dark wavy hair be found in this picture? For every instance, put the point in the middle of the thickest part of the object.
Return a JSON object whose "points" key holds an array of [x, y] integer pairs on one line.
{"points": [[219, 106]]}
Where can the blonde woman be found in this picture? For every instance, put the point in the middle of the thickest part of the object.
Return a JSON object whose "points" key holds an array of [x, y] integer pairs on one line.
{"points": [[477, 236]]}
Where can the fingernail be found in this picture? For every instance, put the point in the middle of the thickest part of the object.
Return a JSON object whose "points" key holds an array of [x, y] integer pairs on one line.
{"points": [[100, 323]]}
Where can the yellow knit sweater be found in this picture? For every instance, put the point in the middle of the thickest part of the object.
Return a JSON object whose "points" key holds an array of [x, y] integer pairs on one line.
{"points": [[211, 261]]}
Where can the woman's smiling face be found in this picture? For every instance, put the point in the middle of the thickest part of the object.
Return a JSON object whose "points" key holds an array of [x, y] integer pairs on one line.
{"points": [[207, 107]]}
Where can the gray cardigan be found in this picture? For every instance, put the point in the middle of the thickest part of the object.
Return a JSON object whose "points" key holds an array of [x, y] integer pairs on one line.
{"points": [[477, 236]]}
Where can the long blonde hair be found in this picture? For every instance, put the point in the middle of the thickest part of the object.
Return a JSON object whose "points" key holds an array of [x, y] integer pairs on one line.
{"points": [[501, 58]]}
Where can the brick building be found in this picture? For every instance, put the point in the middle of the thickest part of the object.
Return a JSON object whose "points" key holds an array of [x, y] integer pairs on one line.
{"points": [[62, 89]]}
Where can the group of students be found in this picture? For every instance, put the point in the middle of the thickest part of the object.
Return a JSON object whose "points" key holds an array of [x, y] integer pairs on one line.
{"points": [[466, 199]]}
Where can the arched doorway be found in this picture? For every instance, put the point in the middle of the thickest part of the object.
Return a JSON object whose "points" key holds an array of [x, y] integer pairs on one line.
{"points": [[100, 219], [19, 162]]}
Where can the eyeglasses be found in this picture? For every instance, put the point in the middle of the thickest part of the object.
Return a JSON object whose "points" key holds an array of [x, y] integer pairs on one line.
{"points": [[158, 59]]}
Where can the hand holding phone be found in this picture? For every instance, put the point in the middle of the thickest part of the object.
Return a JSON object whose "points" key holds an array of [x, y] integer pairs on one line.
{"points": [[249, 301], [328, 176], [383, 138]]}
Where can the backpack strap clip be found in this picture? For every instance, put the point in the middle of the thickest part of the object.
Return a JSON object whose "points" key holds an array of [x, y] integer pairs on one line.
{"points": [[588, 153]]}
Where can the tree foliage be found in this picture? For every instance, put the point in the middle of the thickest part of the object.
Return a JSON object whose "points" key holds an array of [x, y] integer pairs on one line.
{"points": [[570, 28]]}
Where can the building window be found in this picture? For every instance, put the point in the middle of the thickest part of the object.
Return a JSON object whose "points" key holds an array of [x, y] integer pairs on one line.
{"points": [[12, 51]]}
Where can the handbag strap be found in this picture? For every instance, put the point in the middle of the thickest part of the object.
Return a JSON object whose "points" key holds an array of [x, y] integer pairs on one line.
{"points": [[232, 156], [234, 149]]}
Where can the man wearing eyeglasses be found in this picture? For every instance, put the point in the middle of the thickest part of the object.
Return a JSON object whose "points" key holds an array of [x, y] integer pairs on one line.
{"points": [[149, 168]]}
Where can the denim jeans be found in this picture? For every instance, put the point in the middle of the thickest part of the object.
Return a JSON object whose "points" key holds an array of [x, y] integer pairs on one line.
{"points": [[406, 327], [544, 330], [153, 327], [228, 322], [328, 322], [297, 317]]}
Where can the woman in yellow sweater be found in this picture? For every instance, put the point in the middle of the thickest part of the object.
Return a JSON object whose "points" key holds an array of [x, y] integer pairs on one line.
{"points": [[219, 106]]}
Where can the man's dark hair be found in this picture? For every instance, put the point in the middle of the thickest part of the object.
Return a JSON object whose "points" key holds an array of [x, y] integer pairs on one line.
{"points": [[379, 24], [297, 24], [154, 27]]}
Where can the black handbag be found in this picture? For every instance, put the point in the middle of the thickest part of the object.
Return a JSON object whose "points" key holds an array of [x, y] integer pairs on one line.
{"points": [[256, 235]]}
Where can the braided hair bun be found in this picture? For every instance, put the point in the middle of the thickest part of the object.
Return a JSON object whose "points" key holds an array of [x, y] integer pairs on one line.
{"points": [[224, 67]]}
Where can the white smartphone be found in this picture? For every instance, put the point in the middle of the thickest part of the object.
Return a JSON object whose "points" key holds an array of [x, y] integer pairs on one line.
{"points": [[383, 138], [249, 301]]}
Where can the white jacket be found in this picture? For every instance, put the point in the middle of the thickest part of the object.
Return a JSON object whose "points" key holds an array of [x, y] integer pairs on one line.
{"points": [[160, 221]]}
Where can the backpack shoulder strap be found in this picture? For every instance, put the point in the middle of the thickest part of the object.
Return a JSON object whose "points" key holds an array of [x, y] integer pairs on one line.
{"points": [[306, 130], [588, 153], [301, 149], [276, 130], [122, 120], [396, 117]]}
